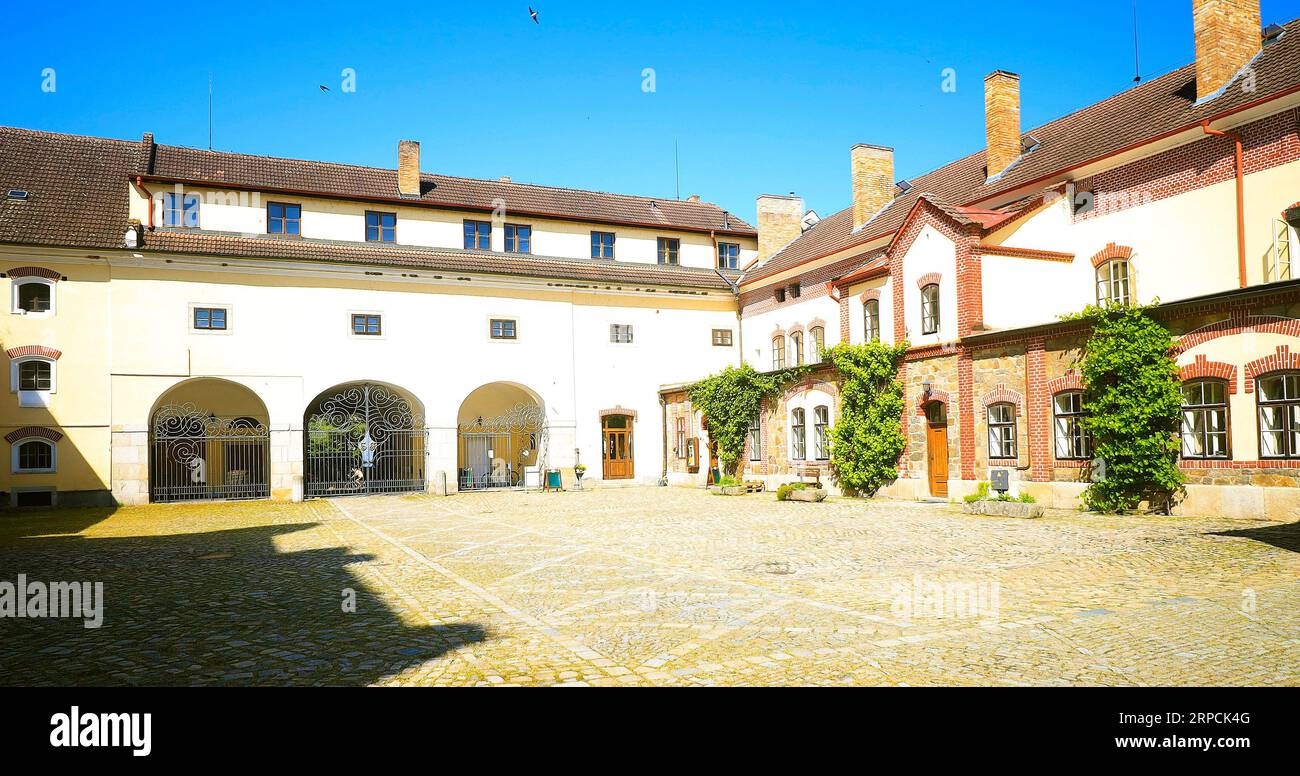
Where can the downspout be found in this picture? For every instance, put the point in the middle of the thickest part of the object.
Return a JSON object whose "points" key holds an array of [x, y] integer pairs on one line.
{"points": [[663, 412], [1241, 198], [139, 184]]}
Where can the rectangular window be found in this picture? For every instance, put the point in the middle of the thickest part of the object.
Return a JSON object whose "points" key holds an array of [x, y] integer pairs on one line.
{"points": [[519, 238], [728, 255], [181, 209], [35, 455], [1279, 415], [871, 321], [930, 309], [1113, 283], [602, 245], [1002, 430], [755, 440], [502, 329], [1205, 419], [798, 435], [821, 433], [210, 318], [778, 352], [366, 324], [282, 218], [817, 341], [670, 249], [381, 227], [620, 333], [681, 438], [1072, 441], [35, 376], [722, 338], [780, 295], [478, 235]]}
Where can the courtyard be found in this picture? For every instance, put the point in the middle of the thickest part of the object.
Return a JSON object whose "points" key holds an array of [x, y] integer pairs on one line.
{"points": [[651, 586]]}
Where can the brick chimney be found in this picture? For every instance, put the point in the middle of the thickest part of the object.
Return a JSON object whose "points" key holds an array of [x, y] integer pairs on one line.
{"points": [[1001, 119], [1227, 37], [408, 168], [779, 220], [873, 181]]}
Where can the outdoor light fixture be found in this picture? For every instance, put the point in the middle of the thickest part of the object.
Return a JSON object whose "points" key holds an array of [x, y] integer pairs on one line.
{"points": [[925, 387]]}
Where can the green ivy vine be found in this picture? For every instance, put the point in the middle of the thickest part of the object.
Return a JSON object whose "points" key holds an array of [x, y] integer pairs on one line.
{"points": [[731, 399], [867, 439]]}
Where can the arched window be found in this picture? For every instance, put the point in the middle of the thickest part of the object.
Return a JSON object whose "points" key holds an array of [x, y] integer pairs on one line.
{"points": [[33, 295], [821, 433], [796, 348], [1205, 419], [798, 435], [1072, 441], [1002, 430], [930, 309], [778, 352], [32, 456], [1113, 287], [1279, 415], [33, 379], [818, 335], [871, 320]]}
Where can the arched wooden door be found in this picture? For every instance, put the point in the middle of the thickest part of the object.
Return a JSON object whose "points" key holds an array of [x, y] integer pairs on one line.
{"points": [[617, 462]]}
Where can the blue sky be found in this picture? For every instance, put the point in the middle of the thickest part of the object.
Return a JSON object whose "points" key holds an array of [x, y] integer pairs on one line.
{"points": [[761, 97]]}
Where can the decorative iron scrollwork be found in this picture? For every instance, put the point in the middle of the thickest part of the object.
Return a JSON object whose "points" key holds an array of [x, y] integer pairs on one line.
{"points": [[520, 419]]}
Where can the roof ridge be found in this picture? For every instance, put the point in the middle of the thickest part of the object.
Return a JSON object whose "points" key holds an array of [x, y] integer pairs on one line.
{"points": [[67, 135]]}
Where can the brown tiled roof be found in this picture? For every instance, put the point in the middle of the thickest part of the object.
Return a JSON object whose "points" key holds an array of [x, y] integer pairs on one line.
{"points": [[437, 260], [326, 179], [1139, 115]]}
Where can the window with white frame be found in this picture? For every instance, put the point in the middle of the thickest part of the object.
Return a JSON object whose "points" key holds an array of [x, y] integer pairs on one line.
{"points": [[1113, 286], [1279, 415], [33, 456], [1205, 419], [1002, 430], [821, 433], [33, 378], [871, 320], [778, 352], [620, 333], [33, 295], [817, 341], [755, 440], [796, 348], [1072, 441], [798, 434], [930, 309]]}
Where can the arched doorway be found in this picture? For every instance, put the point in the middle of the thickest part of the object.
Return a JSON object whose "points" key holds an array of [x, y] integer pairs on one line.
{"points": [[501, 438], [364, 439], [208, 441]]}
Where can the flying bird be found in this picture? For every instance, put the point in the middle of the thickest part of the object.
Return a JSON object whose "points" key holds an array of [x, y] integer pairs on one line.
{"points": [[533, 14], [324, 88]]}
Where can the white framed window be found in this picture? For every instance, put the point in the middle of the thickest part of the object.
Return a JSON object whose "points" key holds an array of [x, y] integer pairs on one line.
{"points": [[796, 348], [34, 455], [33, 378], [1205, 419], [755, 439], [821, 433], [1113, 285], [798, 434], [33, 296], [1002, 430], [503, 329], [210, 319], [871, 320], [620, 333], [1072, 441], [816, 344], [930, 309]]}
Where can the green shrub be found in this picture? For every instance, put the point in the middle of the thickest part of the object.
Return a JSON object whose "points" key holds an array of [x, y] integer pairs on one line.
{"points": [[981, 493], [1026, 498], [867, 438], [731, 399], [783, 492]]}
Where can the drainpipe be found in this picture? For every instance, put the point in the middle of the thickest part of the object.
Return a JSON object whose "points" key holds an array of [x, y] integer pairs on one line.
{"points": [[139, 184], [1241, 198], [663, 413]]}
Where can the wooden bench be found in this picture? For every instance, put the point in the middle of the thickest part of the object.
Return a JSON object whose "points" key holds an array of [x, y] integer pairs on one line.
{"points": [[810, 470]]}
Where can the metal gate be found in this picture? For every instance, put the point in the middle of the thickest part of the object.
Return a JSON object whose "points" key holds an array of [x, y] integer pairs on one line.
{"points": [[495, 452], [363, 440], [197, 456]]}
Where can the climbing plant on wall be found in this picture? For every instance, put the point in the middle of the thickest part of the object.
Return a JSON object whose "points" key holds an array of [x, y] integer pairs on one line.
{"points": [[867, 438], [731, 399], [1134, 405]]}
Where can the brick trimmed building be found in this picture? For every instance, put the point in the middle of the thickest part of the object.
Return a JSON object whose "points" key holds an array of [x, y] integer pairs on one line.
{"points": [[1183, 190]]}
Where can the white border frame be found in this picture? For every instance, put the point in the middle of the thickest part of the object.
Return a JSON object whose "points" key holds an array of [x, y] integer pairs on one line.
{"points": [[13, 296]]}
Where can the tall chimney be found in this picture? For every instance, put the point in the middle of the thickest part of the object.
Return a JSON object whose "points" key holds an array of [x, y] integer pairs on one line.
{"points": [[873, 181], [1001, 119], [1227, 37], [408, 168], [779, 219]]}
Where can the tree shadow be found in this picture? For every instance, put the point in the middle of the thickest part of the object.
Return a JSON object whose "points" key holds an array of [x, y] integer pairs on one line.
{"points": [[28, 522], [1285, 536], [211, 608]]}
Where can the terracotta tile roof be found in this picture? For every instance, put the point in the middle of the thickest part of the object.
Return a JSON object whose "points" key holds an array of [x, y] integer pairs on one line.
{"points": [[436, 260], [1144, 113]]}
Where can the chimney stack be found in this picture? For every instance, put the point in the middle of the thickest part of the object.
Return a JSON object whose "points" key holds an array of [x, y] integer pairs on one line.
{"points": [[408, 168], [873, 181], [779, 223], [1227, 37], [1001, 120]]}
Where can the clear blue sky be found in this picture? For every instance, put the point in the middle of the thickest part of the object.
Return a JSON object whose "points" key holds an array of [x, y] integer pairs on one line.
{"points": [[762, 97]]}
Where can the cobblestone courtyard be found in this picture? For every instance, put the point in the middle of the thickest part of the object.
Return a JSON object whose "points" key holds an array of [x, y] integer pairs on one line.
{"points": [[646, 586]]}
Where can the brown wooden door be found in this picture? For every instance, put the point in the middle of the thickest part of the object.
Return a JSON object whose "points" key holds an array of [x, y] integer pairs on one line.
{"points": [[617, 453], [936, 438]]}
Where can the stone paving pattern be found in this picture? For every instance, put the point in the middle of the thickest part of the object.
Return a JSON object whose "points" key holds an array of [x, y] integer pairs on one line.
{"points": [[646, 586]]}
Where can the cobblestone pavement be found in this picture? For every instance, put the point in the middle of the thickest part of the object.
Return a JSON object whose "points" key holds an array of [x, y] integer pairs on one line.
{"points": [[645, 586]]}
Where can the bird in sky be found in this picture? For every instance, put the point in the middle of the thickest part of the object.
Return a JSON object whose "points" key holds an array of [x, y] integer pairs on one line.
{"points": [[324, 88], [533, 14]]}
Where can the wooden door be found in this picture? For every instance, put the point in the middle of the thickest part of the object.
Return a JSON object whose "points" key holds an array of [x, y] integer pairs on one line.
{"points": [[617, 452], [936, 438]]}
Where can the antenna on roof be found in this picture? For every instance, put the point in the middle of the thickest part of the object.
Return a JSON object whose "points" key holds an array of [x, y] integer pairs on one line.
{"points": [[677, 166], [1137, 66], [209, 110]]}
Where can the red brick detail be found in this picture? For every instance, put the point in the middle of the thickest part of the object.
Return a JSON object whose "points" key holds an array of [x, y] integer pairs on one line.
{"points": [[29, 432], [844, 319], [1070, 381], [1296, 206], [870, 293], [1002, 394], [32, 350], [929, 278], [1023, 253], [1111, 251], [1282, 359], [618, 411], [935, 395], [970, 284], [34, 272], [1040, 411], [966, 421], [1239, 322], [1202, 368]]}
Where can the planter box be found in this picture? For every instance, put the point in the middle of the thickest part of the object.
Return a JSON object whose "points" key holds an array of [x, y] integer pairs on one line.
{"points": [[1004, 509], [808, 494], [728, 490]]}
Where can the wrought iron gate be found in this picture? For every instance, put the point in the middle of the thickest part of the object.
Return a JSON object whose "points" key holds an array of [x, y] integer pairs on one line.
{"points": [[494, 452], [197, 456], [365, 439]]}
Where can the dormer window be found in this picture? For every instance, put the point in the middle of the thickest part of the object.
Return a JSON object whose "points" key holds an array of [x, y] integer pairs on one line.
{"points": [[728, 255], [381, 227], [284, 219], [478, 235], [181, 210]]}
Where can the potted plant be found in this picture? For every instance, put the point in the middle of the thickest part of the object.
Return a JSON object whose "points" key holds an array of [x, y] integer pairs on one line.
{"points": [[728, 486], [578, 471], [981, 502], [801, 491]]}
